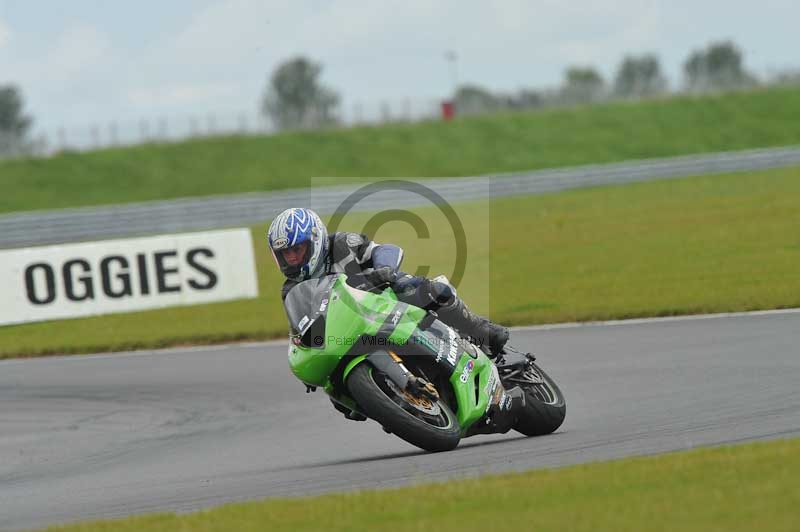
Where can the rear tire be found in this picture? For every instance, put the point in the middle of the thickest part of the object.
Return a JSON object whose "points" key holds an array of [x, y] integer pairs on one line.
{"points": [[380, 399], [545, 406]]}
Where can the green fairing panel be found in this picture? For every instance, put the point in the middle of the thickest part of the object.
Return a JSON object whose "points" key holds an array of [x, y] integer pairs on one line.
{"points": [[361, 314], [482, 374]]}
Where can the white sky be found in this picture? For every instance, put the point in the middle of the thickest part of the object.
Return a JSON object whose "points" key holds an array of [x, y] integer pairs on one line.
{"points": [[80, 62]]}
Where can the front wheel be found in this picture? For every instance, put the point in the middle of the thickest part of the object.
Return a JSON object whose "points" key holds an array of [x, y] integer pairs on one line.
{"points": [[545, 406], [422, 422]]}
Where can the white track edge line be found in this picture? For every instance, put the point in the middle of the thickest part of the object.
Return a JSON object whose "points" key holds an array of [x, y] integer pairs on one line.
{"points": [[662, 319]]}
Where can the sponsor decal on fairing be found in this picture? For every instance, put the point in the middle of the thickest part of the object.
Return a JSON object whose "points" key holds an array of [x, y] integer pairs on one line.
{"points": [[452, 355], [465, 373], [303, 323]]}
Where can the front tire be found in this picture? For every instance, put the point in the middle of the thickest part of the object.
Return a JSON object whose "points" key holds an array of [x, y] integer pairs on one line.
{"points": [[428, 425]]}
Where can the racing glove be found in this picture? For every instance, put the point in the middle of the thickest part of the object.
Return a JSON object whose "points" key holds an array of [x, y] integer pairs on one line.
{"points": [[375, 278]]}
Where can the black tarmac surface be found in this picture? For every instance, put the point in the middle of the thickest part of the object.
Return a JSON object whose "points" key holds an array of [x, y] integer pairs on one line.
{"points": [[90, 437]]}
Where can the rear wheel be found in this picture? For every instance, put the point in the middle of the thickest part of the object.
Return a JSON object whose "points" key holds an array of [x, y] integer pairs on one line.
{"points": [[545, 407], [420, 421]]}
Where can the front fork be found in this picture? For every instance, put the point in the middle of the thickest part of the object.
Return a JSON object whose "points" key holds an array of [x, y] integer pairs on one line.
{"points": [[391, 365]]}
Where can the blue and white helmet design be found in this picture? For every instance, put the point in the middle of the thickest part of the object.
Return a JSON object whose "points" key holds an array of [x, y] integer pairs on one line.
{"points": [[299, 227]]}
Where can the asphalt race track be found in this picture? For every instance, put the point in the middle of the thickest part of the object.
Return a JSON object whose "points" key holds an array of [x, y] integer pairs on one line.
{"points": [[110, 435]]}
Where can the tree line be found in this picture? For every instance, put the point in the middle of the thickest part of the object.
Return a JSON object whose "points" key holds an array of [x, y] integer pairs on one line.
{"points": [[296, 98]]}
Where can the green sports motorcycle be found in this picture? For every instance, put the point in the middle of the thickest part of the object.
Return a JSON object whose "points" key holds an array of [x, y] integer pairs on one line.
{"points": [[379, 358]]}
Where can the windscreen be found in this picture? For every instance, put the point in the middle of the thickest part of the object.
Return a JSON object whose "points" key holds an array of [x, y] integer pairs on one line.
{"points": [[307, 301]]}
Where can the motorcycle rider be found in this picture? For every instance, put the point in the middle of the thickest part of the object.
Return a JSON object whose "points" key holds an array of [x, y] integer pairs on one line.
{"points": [[303, 249]]}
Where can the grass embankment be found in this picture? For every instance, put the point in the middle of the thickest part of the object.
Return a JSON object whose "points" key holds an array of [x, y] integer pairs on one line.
{"points": [[695, 245], [747, 487], [468, 146]]}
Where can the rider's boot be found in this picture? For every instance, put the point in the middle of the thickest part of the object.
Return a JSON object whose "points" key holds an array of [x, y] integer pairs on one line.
{"points": [[504, 416], [481, 330]]}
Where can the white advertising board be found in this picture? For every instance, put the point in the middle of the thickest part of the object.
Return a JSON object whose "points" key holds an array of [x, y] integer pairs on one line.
{"points": [[73, 280]]}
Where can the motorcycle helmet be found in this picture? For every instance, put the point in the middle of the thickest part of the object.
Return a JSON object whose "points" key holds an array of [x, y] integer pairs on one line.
{"points": [[298, 241]]}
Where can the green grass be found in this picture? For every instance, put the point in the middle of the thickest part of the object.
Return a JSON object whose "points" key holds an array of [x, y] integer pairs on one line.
{"points": [[739, 488], [468, 146], [682, 246]]}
